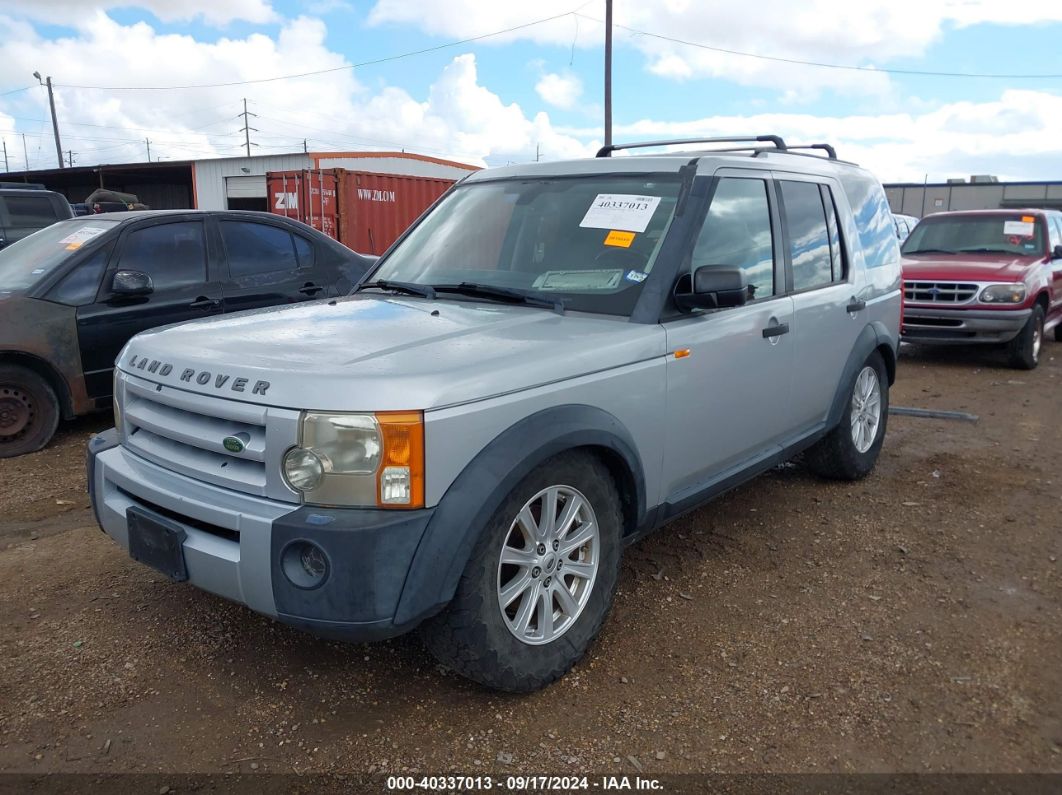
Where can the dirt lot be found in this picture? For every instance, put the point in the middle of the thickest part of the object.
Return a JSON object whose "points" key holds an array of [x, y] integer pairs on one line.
{"points": [[906, 623]]}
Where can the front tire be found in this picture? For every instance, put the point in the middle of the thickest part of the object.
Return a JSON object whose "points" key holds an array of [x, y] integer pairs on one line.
{"points": [[29, 411], [540, 580], [1023, 352], [850, 450]]}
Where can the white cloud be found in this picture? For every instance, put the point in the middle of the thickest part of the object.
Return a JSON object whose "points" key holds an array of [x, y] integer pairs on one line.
{"points": [[561, 91], [216, 12], [458, 118], [868, 32], [1012, 137]]}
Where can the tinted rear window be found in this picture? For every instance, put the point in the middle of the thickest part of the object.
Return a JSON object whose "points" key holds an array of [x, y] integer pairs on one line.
{"points": [[33, 211], [873, 218]]}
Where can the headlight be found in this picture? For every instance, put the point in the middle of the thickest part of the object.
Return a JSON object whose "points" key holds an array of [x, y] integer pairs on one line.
{"points": [[303, 469], [359, 459], [1003, 294]]}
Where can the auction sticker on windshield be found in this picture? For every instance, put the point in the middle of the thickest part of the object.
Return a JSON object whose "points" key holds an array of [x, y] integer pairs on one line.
{"points": [[1019, 228], [623, 211], [79, 238]]}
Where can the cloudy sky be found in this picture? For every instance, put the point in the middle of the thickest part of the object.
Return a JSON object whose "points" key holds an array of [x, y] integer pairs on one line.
{"points": [[176, 72]]}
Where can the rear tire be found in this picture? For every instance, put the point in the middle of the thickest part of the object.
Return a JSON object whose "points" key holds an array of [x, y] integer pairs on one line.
{"points": [[29, 411], [1023, 352], [519, 558], [850, 450]]}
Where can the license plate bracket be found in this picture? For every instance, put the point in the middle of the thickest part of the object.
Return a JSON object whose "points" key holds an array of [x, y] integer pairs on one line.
{"points": [[157, 542]]}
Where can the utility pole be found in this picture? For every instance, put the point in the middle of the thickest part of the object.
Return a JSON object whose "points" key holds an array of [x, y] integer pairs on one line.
{"points": [[25, 151], [55, 122], [247, 128], [6, 167], [305, 148], [70, 157], [608, 72], [147, 143]]}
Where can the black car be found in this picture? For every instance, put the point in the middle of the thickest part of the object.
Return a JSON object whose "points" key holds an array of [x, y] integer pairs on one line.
{"points": [[26, 209], [71, 296]]}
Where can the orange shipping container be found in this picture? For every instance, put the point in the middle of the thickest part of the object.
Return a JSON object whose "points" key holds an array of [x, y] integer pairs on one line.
{"points": [[362, 210]]}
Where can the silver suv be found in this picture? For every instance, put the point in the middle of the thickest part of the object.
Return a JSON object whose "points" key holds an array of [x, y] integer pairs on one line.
{"points": [[555, 360]]}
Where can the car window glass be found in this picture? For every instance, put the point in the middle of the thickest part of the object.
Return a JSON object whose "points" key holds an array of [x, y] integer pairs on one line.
{"points": [[873, 218], [837, 258], [737, 233], [1055, 228], [304, 248], [809, 243], [79, 287], [173, 255], [257, 248], [30, 210]]}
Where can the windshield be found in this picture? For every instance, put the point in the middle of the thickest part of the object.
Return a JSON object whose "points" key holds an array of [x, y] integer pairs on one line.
{"points": [[588, 241], [26, 262], [994, 234]]}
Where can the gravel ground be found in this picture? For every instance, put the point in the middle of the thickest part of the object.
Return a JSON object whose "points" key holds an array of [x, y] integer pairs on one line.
{"points": [[909, 622]]}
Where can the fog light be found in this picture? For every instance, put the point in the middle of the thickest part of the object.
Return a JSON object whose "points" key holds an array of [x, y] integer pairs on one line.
{"points": [[396, 486], [303, 470], [304, 564]]}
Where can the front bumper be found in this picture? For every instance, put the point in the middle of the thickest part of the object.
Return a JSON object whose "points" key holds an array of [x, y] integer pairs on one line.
{"points": [[935, 326], [235, 542]]}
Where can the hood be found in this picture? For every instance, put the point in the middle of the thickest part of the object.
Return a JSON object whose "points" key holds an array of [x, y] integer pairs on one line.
{"points": [[967, 267], [378, 353]]}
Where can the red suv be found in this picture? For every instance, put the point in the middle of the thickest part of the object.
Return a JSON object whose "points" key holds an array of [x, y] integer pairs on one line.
{"points": [[985, 276]]}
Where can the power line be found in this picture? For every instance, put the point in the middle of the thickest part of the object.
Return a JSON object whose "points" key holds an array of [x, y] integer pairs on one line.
{"points": [[824, 65], [333, 69]]}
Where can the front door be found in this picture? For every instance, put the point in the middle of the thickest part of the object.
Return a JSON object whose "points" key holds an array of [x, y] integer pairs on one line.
{"points": [[730, 370], [174, 255]]}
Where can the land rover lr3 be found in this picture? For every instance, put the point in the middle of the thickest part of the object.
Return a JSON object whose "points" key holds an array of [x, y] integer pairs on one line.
{"points": [[554, 360]]}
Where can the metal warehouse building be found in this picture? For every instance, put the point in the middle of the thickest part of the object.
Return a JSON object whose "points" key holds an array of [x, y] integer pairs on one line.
{"points": [[235, 183], [980, 193]]}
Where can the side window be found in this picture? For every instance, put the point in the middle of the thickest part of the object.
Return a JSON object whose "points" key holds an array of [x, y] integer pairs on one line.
{"points": [[173, 255], [809, 237], [873, 218], [30, 210], [79, 287], [737, 233], [304, 249], [837, 256], [1055, 230], [257, 248]]}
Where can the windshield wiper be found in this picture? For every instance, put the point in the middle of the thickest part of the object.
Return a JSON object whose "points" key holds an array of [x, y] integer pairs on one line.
{"points": [[500, 294], [931, 251], [406, 288], [983, 250]]}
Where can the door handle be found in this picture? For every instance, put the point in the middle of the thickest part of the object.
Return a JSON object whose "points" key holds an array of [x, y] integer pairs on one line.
{"points": [[856, 305], [202, 302], [310, 289], [776, 330]]}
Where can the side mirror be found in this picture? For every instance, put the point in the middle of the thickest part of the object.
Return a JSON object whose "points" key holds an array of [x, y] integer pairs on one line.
{"points": [[130, 283], [1056, 253], [712, 288]]}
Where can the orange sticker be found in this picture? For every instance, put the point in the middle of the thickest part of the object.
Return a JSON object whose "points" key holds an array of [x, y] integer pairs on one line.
{"points": [[73, 246], [1028, 219], [620, 239]]}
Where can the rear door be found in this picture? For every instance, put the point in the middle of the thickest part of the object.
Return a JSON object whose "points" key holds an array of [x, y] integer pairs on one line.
{"points": [[268, 265], [729, 376], [827, 315], [185, 287]]}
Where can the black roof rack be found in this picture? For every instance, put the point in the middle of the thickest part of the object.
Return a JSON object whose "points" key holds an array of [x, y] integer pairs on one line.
{"points": [[779, 144], [829, 150]]}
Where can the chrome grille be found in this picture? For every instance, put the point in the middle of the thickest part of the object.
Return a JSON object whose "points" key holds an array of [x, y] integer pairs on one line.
{"points": [[184, 432], [939, 292]]}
